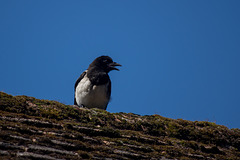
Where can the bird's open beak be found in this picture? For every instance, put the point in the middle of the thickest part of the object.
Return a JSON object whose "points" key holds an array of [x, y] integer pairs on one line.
{"points": [[113, 66]]}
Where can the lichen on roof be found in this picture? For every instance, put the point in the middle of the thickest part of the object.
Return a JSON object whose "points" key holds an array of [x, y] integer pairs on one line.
{"points": [[42, 129]]}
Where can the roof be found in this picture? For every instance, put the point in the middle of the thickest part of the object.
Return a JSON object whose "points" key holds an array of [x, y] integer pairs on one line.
{"points": [[42, 129]]}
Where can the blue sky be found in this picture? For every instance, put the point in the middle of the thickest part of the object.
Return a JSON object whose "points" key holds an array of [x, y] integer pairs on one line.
{"points": [[180, 59]]}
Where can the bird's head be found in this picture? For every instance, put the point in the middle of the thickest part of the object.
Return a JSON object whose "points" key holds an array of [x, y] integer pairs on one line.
{"points": [[105, 63]]}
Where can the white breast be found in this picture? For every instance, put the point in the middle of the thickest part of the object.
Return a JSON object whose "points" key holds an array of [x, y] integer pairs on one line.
{"points": [[91, 96]]}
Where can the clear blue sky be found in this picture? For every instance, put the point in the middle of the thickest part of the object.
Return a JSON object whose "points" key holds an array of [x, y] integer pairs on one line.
{"points": [[180, 59]]}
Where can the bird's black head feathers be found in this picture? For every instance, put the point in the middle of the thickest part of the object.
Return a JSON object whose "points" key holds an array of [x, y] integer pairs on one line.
{"points": [[104, 63]]}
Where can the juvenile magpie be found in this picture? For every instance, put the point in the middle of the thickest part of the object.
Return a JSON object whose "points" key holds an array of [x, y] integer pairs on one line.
{"points": [[93, 87]]}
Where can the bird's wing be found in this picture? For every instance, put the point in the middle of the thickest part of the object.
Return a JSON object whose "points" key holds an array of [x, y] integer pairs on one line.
{"points": [[78, 80]]}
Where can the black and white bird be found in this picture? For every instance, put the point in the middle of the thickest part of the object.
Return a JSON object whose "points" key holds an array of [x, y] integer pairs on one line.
{"points": [[93, 87]]}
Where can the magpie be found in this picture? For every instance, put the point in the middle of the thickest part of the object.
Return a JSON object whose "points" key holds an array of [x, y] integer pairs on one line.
{"points": [[93, 88]]}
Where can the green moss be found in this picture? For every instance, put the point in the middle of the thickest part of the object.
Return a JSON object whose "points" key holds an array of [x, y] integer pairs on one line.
{"points": [[190, 144], [97, 133], [110, 132], [204, 124]]}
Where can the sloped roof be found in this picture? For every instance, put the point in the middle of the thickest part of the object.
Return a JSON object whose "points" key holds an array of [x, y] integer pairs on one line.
{"points": [[41, 129]]}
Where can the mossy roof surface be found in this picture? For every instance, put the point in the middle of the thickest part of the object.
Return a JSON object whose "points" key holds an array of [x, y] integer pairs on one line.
{"points": [[41, 129]]}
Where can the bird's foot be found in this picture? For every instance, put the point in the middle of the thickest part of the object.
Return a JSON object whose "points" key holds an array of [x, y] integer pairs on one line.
{"points": [[78, 107], [81, 106]]}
